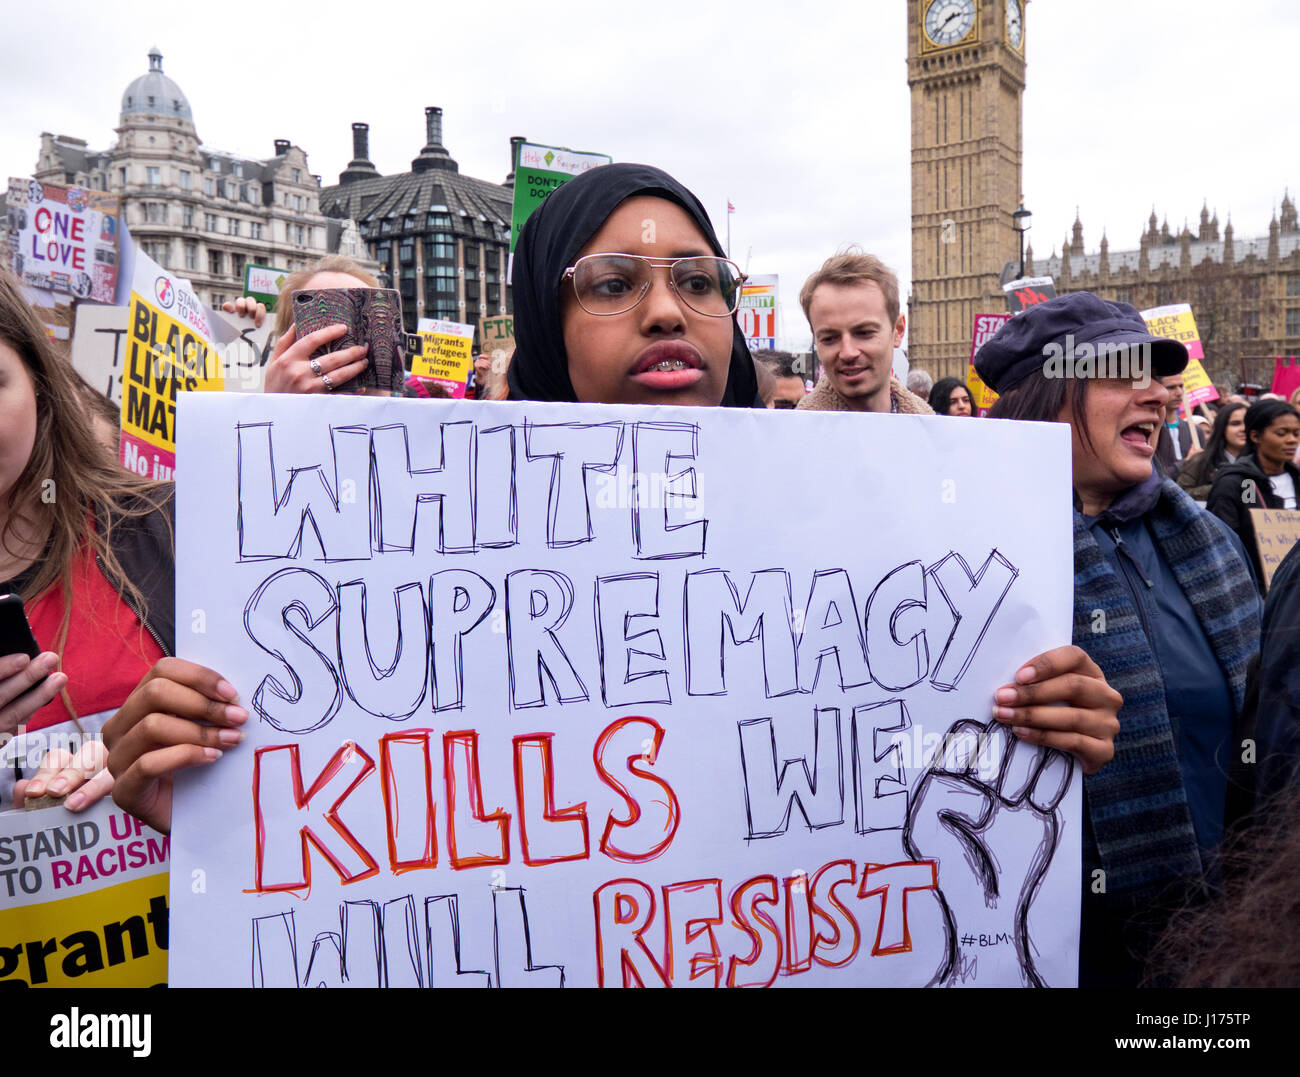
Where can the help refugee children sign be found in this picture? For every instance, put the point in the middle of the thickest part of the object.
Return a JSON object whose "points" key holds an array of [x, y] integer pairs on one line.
{"points": [[551, 694]]}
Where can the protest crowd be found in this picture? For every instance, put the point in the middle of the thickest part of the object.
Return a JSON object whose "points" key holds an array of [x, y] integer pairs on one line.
{"points": [[1183, 712]]}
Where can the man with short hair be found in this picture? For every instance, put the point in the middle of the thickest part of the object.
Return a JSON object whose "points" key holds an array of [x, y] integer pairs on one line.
{"points": [[785, 386], [851, 303], [1176, 442]]}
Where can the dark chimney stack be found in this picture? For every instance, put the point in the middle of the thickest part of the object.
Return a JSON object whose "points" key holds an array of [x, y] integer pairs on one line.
{"points": [[515, 142], [281, 146], [361, 141], [433, 126], [434, 155], [360, 167]]}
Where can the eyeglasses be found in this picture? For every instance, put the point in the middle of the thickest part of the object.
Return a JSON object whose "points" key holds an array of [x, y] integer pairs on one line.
{"points": [[608, 284]]}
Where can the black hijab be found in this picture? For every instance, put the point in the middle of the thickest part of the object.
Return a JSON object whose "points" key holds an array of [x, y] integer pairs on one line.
{"points": [[549, 243]]}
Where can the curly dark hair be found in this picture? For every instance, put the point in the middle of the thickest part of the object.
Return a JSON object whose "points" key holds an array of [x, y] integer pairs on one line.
{"points": [[1247, 937]]}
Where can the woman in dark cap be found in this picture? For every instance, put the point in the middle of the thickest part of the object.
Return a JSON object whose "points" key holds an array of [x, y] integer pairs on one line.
{"points": [[623, 295], [950, 397], [1164, 602]]}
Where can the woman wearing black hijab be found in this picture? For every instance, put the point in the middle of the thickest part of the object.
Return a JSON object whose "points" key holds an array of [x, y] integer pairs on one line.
{"points": [[627, 330]]}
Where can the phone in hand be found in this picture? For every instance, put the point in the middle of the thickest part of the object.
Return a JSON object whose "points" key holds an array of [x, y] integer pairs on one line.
{"points": [[16, 632], [373, 316]]}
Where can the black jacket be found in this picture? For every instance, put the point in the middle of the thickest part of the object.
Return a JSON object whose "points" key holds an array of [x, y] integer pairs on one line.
{"points": [[1273, 693], [145, 548], [1238, 488]]}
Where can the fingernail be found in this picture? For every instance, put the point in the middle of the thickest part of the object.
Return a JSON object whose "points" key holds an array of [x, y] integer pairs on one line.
{"points": [[237, 715], [58, 785], [1003, 714], [75, 802], [35, 789], [226, 689], [230, 736], [1026, 675], [1022, 731], [211, 754], [1005, 695]]}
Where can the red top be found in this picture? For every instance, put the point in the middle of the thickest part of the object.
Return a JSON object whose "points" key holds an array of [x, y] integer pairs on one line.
{"points": [[108, 650]]}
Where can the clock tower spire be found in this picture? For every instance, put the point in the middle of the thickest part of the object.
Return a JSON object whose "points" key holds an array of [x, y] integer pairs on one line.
{"points": [[966, 71]]}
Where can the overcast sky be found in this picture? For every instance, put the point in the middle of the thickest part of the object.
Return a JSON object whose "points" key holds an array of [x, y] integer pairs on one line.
{"points": [[801, 118]]}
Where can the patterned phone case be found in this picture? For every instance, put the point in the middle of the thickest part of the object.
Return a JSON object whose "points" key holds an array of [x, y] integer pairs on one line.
{"points": [[373, 316]]}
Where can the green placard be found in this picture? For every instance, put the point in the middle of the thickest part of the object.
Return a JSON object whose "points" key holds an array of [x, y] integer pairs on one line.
{"points": [[263, 283], [539, 170]]}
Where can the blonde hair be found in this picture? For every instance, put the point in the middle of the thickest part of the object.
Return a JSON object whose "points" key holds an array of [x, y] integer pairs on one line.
{"points": [[850, 266], [331, 263]]}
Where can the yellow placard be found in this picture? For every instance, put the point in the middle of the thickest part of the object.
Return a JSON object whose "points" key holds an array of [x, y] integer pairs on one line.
{"points": [[1175, 322], [164, 356], [115, 937], [1195, 380], [446, 356]]}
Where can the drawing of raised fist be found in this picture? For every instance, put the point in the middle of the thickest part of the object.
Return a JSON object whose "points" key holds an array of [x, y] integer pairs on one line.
{"points": [[987, 808]]}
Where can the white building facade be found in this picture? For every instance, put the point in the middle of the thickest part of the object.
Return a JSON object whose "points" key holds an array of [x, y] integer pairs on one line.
{"points": [[202, 213]]}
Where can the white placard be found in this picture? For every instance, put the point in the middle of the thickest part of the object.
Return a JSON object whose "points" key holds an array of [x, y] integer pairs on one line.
{"points": [[550, 693]]}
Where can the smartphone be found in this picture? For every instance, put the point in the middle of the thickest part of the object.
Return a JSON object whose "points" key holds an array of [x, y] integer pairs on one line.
{"points": [[15, 631], [373, 316], [16, 634]]}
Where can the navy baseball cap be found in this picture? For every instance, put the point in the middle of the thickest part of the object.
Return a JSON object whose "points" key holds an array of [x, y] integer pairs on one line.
{"points": [[1058, 327]]}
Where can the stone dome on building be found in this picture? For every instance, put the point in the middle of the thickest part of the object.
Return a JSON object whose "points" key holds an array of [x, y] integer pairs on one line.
{"points": [[153, 93]]}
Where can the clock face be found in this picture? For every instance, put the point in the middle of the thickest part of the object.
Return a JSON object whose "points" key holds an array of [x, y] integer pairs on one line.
{"points": [[949, 21], [1015, 23]]}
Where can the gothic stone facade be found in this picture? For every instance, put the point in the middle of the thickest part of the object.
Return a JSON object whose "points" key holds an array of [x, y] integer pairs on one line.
{"points": [[1244, 293]]}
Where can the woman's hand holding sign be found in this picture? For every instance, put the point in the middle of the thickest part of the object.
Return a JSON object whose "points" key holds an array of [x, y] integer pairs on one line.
{"points": [[1061, 700], [181, 715]]}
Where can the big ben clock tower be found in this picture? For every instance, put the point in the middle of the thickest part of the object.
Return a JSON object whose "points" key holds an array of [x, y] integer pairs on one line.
{"points": [[966, 71]]}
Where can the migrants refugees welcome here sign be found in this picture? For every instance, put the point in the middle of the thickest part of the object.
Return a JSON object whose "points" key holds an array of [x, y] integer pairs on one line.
{"points": [[581, 695]]}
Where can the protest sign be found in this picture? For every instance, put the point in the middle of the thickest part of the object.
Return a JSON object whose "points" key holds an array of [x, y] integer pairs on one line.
{"points": [[83, 899], [757, 313], [447, 355], [550, 693], [242, 350], [982, 331], [1028, 292], [1276, 531], [56, 317], [99, 347], [498, 338], [1176, 322], [170, 347], [64, 239], [263, 283], [1286, 376], [539, 170]]}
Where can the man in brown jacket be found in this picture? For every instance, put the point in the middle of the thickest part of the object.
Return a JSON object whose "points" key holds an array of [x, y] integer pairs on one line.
{"points": [[852, 305]]}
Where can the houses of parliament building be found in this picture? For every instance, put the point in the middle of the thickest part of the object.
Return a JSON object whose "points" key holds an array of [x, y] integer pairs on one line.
{"points": [[966, 64]]}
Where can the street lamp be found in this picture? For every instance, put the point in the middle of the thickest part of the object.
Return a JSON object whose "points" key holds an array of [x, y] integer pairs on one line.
{"points": [[1022, 218]]}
